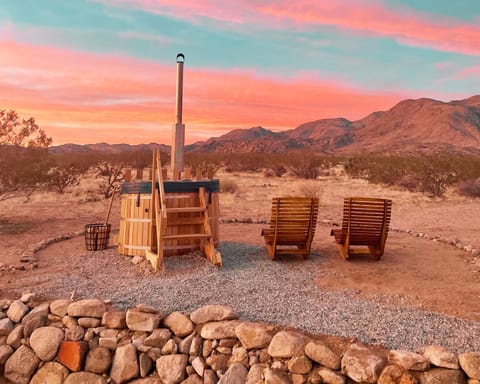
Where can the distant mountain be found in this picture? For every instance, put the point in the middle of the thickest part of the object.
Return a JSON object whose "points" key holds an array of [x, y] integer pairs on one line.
{"points": [[411, 126], [105, 148], [424, 125]]}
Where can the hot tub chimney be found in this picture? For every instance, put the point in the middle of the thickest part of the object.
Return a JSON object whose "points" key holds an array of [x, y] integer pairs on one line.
{"points": [[178, 136]]}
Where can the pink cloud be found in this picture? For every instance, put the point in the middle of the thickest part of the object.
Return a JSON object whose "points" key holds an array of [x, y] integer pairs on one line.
{"points": [[470, 72], [366, 16], [83, 97]]}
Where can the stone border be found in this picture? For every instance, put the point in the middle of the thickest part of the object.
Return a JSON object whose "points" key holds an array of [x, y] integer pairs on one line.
{"points": [[89, 341]]}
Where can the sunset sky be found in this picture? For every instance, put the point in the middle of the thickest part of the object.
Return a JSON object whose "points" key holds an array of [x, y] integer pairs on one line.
{"points": [[104, 70]]}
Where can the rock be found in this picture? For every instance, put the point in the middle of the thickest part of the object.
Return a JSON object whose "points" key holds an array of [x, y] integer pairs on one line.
{"points": [[6, 326], [89, 322], [210, 377], [147, 380], [408, 360], [170, 348], [87, 308], [219, 330], [236, 374], [114, 320], [158, 337], [28, 296], [254, 335], [199, 365], [171, 368], [330, 377], [45, 342], [34, 323], [470, 363], [5, 352], [276, 376], [21, 365], [147, 308], [195, 346], [75, 333], [443, 375], [98, 360], [394, 374], [51, 373], [322, 354], [218, 362], [17, 310], [239, 355], [60, 307], [213, 312], [39, 310], [287, 344], [299, 364], [142, 321], [180, 324], [362, 364], [185, 345], [440, 357], [124, 364], [72, 354], [145, 364], [69, 321], [84, 378], [255, 374], [14, 339]]}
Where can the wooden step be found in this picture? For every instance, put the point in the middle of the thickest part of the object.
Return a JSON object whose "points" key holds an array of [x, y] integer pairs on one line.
{"points": [[186, 210], [187, 236]]}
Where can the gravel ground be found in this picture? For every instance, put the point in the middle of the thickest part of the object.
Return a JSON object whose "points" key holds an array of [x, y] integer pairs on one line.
{"points": [[281, 292]]}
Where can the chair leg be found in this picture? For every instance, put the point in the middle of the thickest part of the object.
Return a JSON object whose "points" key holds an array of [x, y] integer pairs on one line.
{"points": [[270, 251], [343, 251]]}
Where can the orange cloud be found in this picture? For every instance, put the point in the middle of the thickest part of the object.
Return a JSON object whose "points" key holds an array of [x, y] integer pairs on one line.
{"points": [[367, 16], [83, 97]]}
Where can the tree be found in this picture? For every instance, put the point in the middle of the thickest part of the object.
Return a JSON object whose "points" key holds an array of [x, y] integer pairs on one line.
{"points": [[25, 133], [113, 176], [63, 176], [24, 158]]}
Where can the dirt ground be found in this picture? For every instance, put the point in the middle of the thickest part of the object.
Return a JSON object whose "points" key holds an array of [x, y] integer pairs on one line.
{"points": [[414, 271]]}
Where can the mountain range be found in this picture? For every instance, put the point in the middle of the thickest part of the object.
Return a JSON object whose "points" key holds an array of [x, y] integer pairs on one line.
{"points": [[411, 126]]}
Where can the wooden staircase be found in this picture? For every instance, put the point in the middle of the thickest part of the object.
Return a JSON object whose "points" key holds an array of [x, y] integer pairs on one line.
{"points": [[194, 221]]}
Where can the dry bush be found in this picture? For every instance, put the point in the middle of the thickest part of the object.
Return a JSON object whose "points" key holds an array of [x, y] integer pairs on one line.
{"points": [[228, 186], [309, 190], [469, 188]]}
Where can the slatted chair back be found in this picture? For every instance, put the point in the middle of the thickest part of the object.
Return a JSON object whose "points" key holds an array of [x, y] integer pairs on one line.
{"points": [[365, 222], [293, 223]]}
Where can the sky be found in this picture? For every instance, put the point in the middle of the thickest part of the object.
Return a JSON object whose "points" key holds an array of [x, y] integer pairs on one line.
{"points": [[94, 71]]}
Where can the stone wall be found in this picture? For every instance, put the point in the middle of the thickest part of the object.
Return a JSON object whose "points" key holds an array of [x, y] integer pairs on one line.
{"points": [[89, 341]]}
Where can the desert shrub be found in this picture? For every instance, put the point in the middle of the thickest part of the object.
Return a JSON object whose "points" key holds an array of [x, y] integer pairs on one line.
{"points": [[469, 188], [305, 165], [309, 190], [112, 175], [61, 177], [228, 186]]}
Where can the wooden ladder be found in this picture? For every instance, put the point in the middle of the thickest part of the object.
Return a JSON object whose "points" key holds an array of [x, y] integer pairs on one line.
{"points": [[165, 217]]}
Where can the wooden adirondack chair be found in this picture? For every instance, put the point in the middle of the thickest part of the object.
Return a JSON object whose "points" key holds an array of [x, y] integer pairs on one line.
{"points": [[292, 226], [365, 226]]}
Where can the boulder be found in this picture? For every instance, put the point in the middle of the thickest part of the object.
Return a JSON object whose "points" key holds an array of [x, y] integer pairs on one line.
{"points": [[60, 307], [89, 322], [75, 333], [212, 312], [329, 376], [114, 320], [34, 323], [158, 337], [299, 364], [362, 364], [236, 374], [6, 326], [443, 375], [125, 364], [470, 363], [21, 365], [98, 360], [5, 352], [87, 308], [254, 335], [14, 339], [441, 357], [394, 374], [72, 354], [255, 374], [287, 344], [142, 321], [147, 380], [179, 324], [219, 330], [17, 311], [171, 368], [322, 354], [45, 342], [85, 378], [145, 364], [51, 373], [276, 376], [408, 360]]}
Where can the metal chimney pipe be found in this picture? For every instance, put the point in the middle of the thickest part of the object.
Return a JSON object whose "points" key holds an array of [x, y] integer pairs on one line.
{"points": [[178, 134]]}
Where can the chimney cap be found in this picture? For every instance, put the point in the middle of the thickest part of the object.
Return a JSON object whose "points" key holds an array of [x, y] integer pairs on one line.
{"points": [[180, 58]]}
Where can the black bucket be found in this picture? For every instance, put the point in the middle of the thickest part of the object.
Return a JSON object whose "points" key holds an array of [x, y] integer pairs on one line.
{"points": [[97, 236]]}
